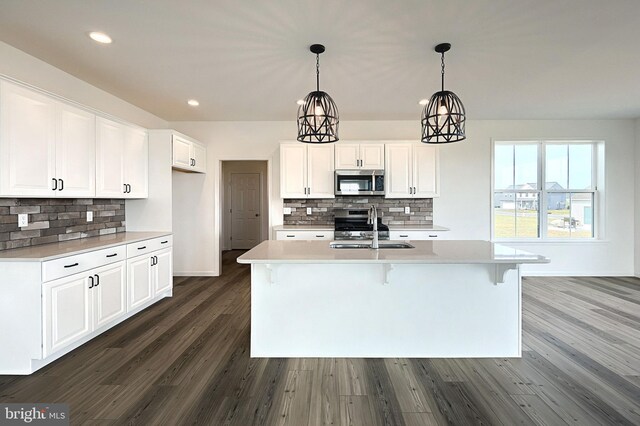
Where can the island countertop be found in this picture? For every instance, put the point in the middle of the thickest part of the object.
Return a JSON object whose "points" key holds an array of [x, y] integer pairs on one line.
{"points": [[424, 252]]}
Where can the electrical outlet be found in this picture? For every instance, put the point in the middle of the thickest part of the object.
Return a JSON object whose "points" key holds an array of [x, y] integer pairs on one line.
{"points": [[407, 210], [286, 210], [23, 220], [89, 216], [308, 210]]}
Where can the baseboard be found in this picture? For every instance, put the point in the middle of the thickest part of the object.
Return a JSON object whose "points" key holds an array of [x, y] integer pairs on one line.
{"points": [[576, 274], [195, 274]]}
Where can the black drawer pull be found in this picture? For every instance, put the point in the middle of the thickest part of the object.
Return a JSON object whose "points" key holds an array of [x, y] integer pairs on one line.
{"points": [[433, 236], [164, 242], [290, 236], [142, 248], [404, 236], [72, 265], [112, 255], [319, 236], [97, 280]]}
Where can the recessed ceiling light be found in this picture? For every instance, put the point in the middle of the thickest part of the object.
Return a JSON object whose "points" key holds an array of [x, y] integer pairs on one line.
{"points": [[423, 101], [300, 101], [193, 102], [100, 37]]}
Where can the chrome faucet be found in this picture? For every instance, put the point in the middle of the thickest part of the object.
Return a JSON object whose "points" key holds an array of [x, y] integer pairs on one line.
{"points": [[373, 219]]}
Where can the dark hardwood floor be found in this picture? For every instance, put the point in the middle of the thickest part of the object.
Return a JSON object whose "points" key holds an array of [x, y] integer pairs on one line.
{"points": [[186, 361]]}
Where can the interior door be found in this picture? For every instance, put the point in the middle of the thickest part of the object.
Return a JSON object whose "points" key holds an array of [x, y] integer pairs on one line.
{"points": [[109, 293], [27, 142], [321, 171], [76, 152], [163, 272], [245, 210]]}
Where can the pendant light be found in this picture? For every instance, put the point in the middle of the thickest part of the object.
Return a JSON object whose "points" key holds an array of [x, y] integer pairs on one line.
{"points": [[443, 117], [317, 114]]}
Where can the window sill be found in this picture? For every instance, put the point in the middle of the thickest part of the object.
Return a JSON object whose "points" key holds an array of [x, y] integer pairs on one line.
{"points": [[548, 241]]}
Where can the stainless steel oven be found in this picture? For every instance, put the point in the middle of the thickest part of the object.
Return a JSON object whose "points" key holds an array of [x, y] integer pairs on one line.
{"points": [[359, 182], [353, 224]]}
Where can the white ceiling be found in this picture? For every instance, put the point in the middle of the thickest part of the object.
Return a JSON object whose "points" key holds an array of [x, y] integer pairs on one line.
{"points": [[249, 59]]}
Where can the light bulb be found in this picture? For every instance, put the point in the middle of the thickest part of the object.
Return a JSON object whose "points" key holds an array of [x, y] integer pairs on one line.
{"points": [[318, 110], [442, 114]]}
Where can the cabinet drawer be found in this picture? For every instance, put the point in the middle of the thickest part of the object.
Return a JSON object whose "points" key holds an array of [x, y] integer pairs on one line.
{"points": [[147, 246], [304, 235], [63, 267], [414, 235]]}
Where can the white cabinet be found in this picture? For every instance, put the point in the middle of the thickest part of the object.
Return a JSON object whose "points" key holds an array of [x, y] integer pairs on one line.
{"points": [[306, 171], [411, 171], [47, 148], [76, 305], [304, 235], [66, 304], [139, 281], [359, 156], [149, 275], [416, 235], [122, 160], [189, 155]]}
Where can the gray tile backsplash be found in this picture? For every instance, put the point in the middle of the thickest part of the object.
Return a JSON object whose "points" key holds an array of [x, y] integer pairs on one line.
{"points": [[57, 219], [391, 210]]}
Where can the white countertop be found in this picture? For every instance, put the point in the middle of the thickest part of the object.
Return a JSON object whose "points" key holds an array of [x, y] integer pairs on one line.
{"points": [[331, 228], [303, 228], [417, 228], [443, 252], [68, 248]]}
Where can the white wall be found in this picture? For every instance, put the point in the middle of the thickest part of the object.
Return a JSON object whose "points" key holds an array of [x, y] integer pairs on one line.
{"points": [[637, 209], [25, 68], [465, 204]]}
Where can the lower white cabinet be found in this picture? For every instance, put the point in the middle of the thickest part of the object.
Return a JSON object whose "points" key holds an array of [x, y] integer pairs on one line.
{"points": [[148, 275], [416, 235], [63, 302], [77, 305], [304, 235]]}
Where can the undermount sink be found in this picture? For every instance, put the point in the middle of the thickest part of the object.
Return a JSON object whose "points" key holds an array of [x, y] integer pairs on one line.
{"points": [[367, 245]]}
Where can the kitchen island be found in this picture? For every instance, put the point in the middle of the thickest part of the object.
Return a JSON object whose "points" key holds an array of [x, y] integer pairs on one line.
{"points": [[437, 299]]}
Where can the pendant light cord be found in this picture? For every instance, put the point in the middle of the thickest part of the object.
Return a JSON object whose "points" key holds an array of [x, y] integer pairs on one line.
{"points": [[317, 72], [443, 71]]}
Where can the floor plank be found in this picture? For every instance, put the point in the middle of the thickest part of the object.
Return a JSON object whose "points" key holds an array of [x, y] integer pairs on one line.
{"points": [[186, 360]]}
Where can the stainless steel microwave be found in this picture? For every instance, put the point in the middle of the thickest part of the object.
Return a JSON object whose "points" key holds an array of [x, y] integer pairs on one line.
{"points": [[359, 182]]}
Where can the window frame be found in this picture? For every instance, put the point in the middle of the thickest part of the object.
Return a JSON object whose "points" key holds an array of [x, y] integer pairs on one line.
{"points": [[597, 188]]}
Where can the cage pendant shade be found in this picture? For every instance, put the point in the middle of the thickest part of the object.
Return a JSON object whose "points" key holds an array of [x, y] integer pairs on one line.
{"points": [[318, 119], [318, 115], [443, 118]]}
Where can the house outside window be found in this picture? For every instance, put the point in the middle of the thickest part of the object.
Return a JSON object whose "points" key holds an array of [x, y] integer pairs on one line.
{"points": [[546, 190]]}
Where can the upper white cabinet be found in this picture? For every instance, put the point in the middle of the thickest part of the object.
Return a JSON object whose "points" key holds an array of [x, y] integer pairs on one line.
{"points": [[359, 156], [122, 160], [411, 171], [306, 171], [188, 155], [47, 148]]}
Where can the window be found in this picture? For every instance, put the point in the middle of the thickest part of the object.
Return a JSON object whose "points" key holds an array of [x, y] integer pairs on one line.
{"points": [[544, 190]]}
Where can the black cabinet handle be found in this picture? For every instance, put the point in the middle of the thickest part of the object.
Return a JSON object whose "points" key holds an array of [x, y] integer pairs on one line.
{"points": [[55, 184], [290, 236], [403, 236], [124, 186], [433, 236], [156, 259], [129, 186], [319, 236], [164, 242], [112, 255], [97, 279], [61, 185], [142, 248], [91, 279], [72, 265]]}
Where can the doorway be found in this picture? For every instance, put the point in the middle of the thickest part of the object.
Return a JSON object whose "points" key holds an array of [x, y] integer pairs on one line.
{"points": [[245, 204]]}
